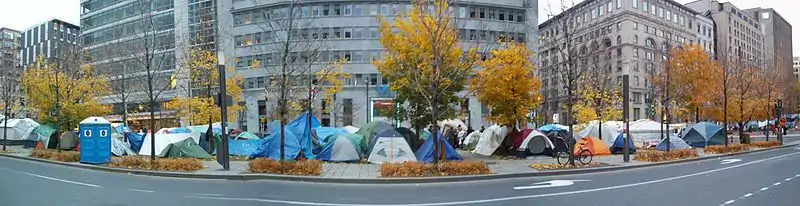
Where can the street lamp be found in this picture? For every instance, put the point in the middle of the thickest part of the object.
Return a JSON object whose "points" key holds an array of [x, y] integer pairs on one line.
{"points": [[626, 113], [222, 152]]}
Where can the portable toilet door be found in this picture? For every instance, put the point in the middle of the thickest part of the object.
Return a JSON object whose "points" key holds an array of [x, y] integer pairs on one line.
{"points": [[95, 135]]}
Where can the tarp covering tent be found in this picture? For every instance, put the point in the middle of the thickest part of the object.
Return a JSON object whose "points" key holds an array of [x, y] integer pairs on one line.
{"points": [[42, 133], [675, 143], [369, 131], [537, 143], [454, 123], [17, 129], [135, 140], [119, 147], [608, 134], [594, 145], [410, 137], [243, 147], [703, 134], [270, 147], [471, 140], [647, 132], [389, 146], [553, 128], [490, 140], [185, 148], [300, 125], [162, 142], [247, 136], [342, 148], [619, 144], [69, 140], [426, 154], [350, 129], [325, 132]]}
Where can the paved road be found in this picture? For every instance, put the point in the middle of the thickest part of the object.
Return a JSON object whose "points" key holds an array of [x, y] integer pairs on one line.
{"points": [[699, 183]]}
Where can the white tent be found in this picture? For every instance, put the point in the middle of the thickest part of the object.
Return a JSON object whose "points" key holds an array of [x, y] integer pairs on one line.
{"points": [[490, 140], [532, 142], [472, 139], [389, 146], [647, 132], [17, 129], [350, 129], [454, 123], [609, 133], [163, 140]]}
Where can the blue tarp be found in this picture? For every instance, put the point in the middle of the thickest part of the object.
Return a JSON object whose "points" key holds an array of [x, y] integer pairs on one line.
{"points": [[619, 144], [122, 129], [323, 133], [243, 147], [425, 152], [181, 130], [551, 128], [296, 137], [135, 140]]}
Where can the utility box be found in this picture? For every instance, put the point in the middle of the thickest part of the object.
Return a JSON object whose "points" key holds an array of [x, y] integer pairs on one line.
{"points": [[95, 135]]}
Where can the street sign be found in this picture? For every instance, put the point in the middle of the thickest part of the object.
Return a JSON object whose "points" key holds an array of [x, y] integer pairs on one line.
{"points": [[551, 183], [728, 161]]}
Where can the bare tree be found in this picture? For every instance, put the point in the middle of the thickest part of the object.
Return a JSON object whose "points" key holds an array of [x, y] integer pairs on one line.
{"points": [[10, 95]]}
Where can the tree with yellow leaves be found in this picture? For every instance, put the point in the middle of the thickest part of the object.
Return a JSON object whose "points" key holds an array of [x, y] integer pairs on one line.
{"points": [[507, 85], [424, 60], [64, 92], [199, 107], [694, 80]]}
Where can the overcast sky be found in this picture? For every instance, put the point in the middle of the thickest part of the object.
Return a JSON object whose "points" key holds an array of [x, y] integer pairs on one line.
{"points": [[22, 14]]}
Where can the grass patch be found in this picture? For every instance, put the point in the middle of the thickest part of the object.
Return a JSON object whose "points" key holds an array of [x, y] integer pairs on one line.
{"points": [[303, 168], [416, 169], [165, 164], [542, 166], [722, 149], [63, 156], [766, 144], [660, 156]]}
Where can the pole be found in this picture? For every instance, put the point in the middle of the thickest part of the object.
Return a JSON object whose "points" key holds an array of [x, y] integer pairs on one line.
{"points": [[780, 116], [666, 105], [5, 126], [366, 94], [626, 107], [222, 152]]}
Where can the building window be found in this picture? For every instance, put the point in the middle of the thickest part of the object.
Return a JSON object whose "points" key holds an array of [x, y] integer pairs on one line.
{"points": [[660, 12], [619, 4], [594, 13], [600, 11], [619, 26], [610, 7], [653, 9], [669, 15], [636, 52], [635, 25], [635, 3], [644, 6]]}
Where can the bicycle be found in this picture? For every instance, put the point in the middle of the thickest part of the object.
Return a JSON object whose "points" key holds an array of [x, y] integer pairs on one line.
{"points": [[585, 156]]}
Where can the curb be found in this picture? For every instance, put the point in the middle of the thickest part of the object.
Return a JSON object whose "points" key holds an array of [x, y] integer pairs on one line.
{"points": [[245, 177]]}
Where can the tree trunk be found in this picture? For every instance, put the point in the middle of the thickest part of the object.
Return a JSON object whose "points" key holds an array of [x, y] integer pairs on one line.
{"points": [[742, 138], [153, 125], [600, 129], [5, 128]]}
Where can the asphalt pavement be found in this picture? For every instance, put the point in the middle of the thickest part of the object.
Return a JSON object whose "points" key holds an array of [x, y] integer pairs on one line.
{"points": [[726, 181]]}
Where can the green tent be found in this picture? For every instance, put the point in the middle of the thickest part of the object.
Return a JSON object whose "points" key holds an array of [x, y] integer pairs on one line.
{"points": [[369, 131], [247, 135], [185, 148], [356, 140]]}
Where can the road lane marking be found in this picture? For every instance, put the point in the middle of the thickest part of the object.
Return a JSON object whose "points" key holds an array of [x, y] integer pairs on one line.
{"points": [[787, 179], [777, 183], [728, 161], [145, 191], [748, 194], [204, 194], [52, 178], [765, 188], [289, 202], [551, 183]]}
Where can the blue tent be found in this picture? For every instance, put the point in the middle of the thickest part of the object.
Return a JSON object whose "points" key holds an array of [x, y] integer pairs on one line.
{"points": [[323, 133], [675, 143], [299, 126], [135, 140], [342, 148], [270, 147], [180, 130], [244, 147], [703, 134], [425, 152], [551, 128], [619, 145]]}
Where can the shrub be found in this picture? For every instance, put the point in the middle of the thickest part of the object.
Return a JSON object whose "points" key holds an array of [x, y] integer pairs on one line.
{"points": [[659, 156], [722, 149], [63, 156], [166, 164], [304, 167], [538, 166], [451, 168], [766, 144]]}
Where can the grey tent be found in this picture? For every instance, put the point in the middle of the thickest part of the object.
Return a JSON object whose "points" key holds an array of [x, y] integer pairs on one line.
{"points": [[675, 143], [369, 131], [69, 140], [342, 148], [185, 148], [389, 146], [537, 143], [703, 134]]}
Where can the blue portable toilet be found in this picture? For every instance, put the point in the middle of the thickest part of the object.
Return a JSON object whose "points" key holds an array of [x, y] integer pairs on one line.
{"points": [[95, 134]]}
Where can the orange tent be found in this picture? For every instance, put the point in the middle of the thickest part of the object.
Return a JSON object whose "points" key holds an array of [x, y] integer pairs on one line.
{"points": [[594, 145]]}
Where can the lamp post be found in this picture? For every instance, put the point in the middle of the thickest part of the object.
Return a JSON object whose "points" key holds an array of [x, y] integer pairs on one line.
{"points": [[626, 113], [222, 152], [366, 94], [779, 105]]}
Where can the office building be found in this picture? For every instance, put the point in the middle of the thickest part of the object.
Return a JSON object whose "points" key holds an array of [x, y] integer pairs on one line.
{"points": [[9, 48], [777, 38], [617, 37], [47, 40], [349, 29], [796, 68], [114, 32], [739, 35]]}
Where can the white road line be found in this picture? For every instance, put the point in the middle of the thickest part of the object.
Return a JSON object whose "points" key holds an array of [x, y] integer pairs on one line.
{"points": [[498, 199], [797, 175], [204, 194], [730, 202], [777, 183], [765, 188], [748, 195], [787, 179], [51, 178], [138, 190]]}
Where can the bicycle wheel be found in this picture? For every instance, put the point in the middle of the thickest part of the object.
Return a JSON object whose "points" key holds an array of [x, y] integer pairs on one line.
{"points": [[585, 157], [562, 158]]}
